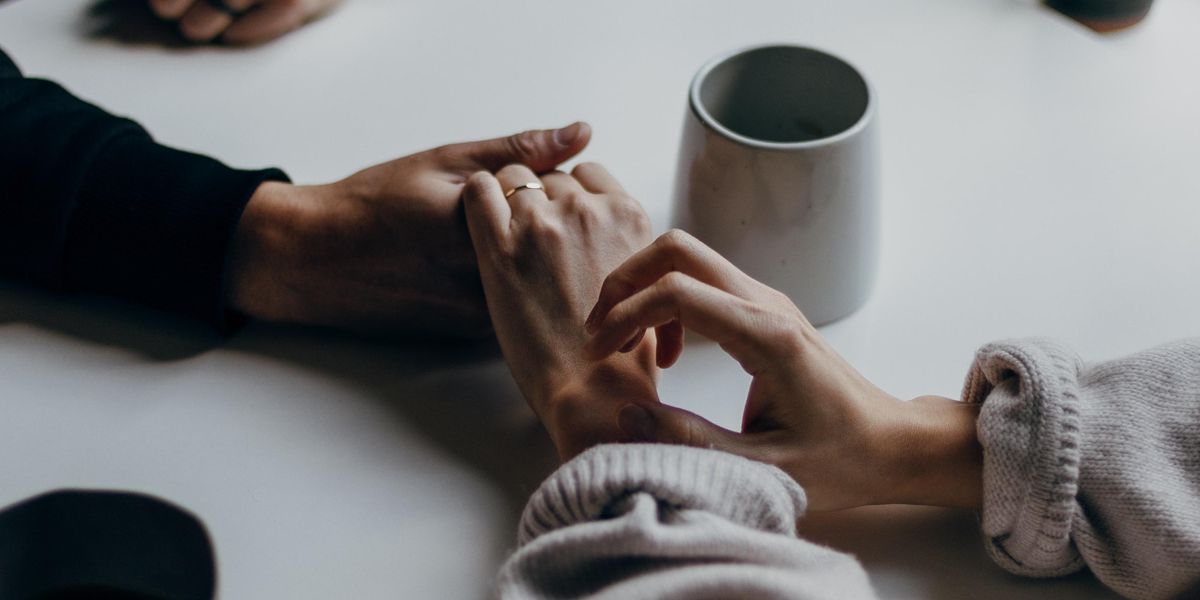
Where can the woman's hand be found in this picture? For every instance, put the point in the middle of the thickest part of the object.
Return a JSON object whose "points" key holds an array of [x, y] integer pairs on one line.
{"points": [[384, 251], [808, 411], [239, 21], [542, 255]]}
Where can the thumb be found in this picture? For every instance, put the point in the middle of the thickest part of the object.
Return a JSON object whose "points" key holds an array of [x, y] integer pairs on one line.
{"points": [[541, 149], [664, 424]]}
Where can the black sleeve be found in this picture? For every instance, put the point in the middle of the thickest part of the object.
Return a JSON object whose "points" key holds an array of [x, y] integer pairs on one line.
{"points": [[90, 202]]}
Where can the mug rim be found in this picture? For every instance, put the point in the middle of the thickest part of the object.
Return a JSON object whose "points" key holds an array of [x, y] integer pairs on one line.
{"points": [[709, 121]]}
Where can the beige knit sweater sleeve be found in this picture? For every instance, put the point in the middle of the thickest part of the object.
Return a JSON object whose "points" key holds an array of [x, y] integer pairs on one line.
{"points": [[637, 521], [1092, 464], [1084, 465]]}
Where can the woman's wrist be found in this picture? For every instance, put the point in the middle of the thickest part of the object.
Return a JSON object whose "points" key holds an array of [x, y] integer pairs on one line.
{"points": [[931, 455], [582, 407]]}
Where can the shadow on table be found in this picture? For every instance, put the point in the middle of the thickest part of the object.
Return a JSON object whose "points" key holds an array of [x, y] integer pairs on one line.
{"points": [[155, 336], [459, 396], [129, 22], [941, 546]]}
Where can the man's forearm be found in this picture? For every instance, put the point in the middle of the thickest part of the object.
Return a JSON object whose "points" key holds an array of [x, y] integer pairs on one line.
{"points": [[92, 203]]}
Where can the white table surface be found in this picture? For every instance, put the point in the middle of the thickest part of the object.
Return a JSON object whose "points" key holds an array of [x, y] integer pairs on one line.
{"points": [[1039, 180]]}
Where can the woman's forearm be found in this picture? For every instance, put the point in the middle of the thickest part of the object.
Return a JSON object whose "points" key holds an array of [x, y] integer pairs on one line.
{"points": [[932, 455]]}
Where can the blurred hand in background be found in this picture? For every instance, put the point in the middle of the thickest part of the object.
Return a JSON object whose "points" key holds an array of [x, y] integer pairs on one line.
{"points": [[239, 21]]}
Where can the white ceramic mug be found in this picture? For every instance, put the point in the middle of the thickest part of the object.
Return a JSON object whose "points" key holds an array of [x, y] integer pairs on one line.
{"points": [[779, 172]]}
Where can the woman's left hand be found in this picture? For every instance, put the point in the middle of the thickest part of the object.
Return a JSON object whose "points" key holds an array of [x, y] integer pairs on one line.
{"points": [[542, 256], [808, 411]]}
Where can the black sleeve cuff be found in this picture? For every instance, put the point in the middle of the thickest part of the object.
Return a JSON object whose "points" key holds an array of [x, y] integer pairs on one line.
{"points": [[154, 225]]}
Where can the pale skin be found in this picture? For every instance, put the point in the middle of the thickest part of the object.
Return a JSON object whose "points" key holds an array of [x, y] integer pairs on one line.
{"points": [[246, 21], [541, 264], [584, 309], [384, 251]]}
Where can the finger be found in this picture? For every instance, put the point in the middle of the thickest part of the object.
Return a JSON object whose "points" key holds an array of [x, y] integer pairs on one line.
{"points": [[540, 150], [560, 185], [634, 341], [170, 10], [665, 424], [271, 19], [203, 22], [596, 179], [524, 200], [237, 7], [675, 250], [714, 313], [488, 214], [670, 344]]}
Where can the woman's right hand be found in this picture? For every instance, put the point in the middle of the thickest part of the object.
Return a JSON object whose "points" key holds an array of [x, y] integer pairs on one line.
{"points": [[808, 411]]}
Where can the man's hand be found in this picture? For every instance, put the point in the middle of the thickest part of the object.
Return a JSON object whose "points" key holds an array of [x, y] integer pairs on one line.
{"points": [[385, 250], [239, 21], [542, 255]]}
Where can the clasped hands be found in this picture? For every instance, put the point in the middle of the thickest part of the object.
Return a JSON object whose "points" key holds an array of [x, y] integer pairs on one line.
{"points": [[586, 307]]}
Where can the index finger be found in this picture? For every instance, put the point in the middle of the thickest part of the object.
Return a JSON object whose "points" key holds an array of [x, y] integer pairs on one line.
{"points": [[488, 212], [675, 250]]}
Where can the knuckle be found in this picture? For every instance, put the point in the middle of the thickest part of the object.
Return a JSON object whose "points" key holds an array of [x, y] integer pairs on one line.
{"points": [[586, 168], [548, 231], [502, 253], [475, 186], [779, 297], [624, 204], [512, 170], [675, 240], [440, 154], [675, 283], [479, 178], [637, 219], [589, 217], [522, 145], [784, 304], [575, 201], [780, 331]]}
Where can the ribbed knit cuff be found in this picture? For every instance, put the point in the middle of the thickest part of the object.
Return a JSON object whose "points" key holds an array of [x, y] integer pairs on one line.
{"points": [[746, 492], [154, 225], [1029, 427]]}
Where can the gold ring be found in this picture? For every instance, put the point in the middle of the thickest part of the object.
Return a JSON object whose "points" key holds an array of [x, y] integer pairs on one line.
{"points": [[533, 185]]}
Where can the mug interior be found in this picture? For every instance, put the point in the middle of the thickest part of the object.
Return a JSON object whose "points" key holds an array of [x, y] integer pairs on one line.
{"points": [[783, 94]]}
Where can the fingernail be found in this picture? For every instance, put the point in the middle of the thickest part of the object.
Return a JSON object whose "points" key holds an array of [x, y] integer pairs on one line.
{"points": [[567, 135], [636, 423]]}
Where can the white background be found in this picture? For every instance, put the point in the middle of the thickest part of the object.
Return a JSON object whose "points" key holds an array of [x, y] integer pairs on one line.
{"points": [[1039, 179]]}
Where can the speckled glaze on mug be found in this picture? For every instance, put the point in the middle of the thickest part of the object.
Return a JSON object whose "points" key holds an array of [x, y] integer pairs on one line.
{"points": [[779, 172]]}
